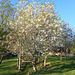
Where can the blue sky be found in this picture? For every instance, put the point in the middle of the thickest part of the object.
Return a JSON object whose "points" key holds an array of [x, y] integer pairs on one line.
{"points": [[65, 9]]}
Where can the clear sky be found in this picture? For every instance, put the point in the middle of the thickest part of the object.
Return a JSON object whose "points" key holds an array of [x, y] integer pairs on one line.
{"points": [[65, 9]]}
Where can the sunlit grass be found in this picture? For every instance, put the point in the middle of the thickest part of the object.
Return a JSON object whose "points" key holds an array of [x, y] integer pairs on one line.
{"points": [[57, 67]]}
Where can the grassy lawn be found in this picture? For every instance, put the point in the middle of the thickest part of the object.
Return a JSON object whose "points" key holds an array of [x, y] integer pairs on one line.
{"points": [[8, 67]]}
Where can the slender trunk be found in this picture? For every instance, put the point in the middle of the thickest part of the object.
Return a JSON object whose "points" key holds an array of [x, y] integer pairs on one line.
{"points": [[61, 55], [1, 58], [19, 64], [34, 66], [44, 61], [17, 61], [65, 54]]}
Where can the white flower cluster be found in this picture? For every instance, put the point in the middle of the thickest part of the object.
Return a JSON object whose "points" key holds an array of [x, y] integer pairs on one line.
{"points": [[32, 21]]}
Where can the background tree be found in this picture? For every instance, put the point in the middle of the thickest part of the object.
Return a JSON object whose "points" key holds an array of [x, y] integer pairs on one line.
{"points": [[67, 38], [73, 44], [6, 14]]}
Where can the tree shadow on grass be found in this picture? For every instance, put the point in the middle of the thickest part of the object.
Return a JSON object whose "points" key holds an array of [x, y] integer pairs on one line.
{"points": [[24, 65], [58, 67], [61, 69], [7, 64], [55, 67], [71, 58]]}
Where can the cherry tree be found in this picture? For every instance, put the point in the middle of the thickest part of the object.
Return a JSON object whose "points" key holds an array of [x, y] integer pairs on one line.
{"points": [[22, 24], [36, 29], [50, 27]]}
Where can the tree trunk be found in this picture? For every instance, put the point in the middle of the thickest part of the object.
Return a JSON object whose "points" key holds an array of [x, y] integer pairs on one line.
{"points": [[34, 66], [17, 61], [1, 58], [19, 64], [44, 61], [61, 55], [65, 54]]}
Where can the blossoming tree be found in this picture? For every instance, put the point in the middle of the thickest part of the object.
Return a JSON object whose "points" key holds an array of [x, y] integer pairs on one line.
{"points": [[36, 29]]}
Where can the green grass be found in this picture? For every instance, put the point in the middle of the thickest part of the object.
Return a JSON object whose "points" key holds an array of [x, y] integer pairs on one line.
{"points": [[73, 50], [58, 67], [65, 67]]}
